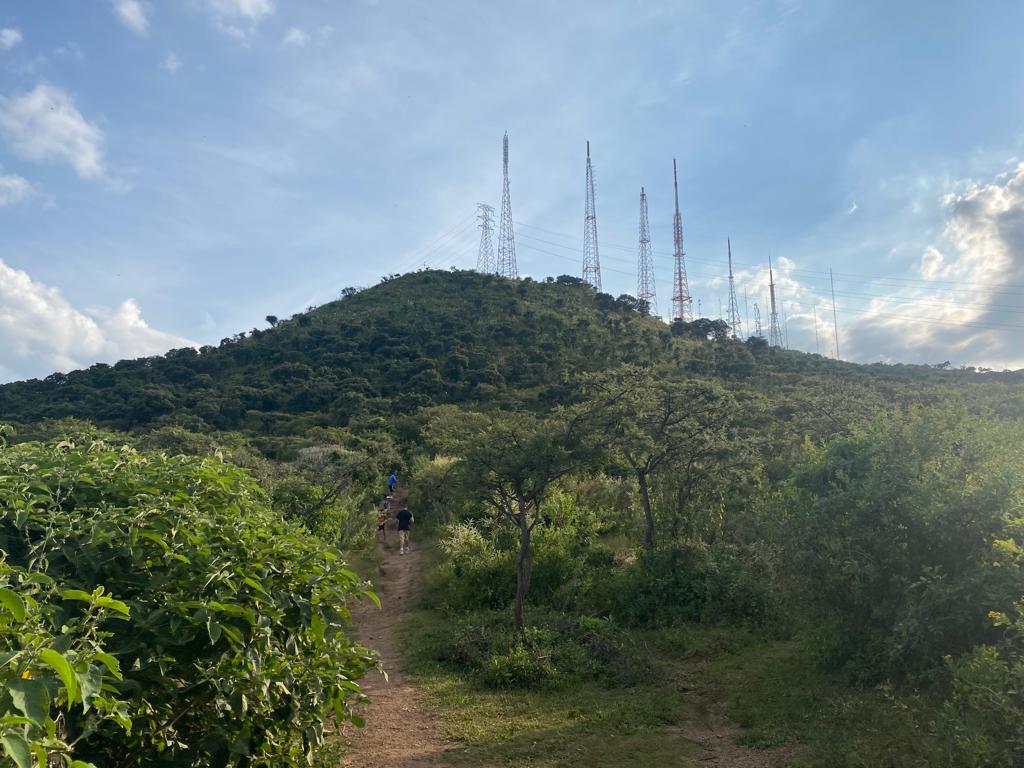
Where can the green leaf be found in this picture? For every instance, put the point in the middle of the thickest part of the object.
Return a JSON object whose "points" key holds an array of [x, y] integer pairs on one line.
{"points": [[76, 594], [62, 668], [112, 664], [90, 683], [16, 747], [12, 601], [31, 698], [112, 604]]}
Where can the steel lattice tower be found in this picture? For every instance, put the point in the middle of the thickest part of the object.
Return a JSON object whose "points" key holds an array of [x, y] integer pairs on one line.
{"points": [[774, 331], [485, 257], [757, 320], [506, 238], [682, 302], [591, 260], [735, 321], [645, 266]]}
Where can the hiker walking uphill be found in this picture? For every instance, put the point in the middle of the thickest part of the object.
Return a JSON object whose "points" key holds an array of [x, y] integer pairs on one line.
{"points": [[405, 521], [392, 483]]}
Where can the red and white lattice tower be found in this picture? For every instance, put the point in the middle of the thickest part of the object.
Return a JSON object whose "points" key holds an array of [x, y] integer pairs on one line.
{"points": [[591, 260], [506, 239], [682, 302], [645, 264]]}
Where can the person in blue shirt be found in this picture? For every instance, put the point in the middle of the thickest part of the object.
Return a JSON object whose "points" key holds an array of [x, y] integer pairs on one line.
{"points": [[392, 482]]}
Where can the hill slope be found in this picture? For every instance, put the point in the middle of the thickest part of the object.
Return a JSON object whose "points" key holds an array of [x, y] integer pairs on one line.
{"points": [[455, 337]]}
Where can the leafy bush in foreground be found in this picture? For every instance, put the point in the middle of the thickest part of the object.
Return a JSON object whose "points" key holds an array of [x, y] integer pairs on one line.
{"points": [[236, 650]]}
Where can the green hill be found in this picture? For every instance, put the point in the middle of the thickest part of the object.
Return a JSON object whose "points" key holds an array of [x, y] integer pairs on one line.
{"points": [[463, 338]]}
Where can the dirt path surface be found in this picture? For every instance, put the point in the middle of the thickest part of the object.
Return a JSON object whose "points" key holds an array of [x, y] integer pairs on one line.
{"points": [[399, 731], [720, 750]]}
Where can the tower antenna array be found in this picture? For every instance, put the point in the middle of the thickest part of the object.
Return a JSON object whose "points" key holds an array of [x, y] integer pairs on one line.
{"points": [[591, 260], [485, 257], [757, 321], [774, 331], [735, 322], [506, 238], [682, 302], [645, 267]]}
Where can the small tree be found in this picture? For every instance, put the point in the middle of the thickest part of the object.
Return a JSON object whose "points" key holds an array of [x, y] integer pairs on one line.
{"points": [[658, 422], [272, 319], [509, 461]]}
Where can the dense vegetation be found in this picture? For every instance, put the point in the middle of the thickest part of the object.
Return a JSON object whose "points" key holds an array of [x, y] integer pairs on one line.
{"points": [[598, 482]]}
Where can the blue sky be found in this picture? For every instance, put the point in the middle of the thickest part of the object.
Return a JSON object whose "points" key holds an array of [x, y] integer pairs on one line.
{"points": [[173, 171]]}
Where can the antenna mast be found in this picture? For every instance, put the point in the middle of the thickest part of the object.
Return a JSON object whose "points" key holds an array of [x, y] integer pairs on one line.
{"points": [[757, 321], [682, 302], [591, 260], [835, 318], [506, 238], [735, 322], [774, 332], [817, 346], [485, 257], [645, 267]]}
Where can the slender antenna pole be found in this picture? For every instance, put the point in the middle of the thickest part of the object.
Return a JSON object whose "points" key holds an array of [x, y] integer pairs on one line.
{"points": [[835, 318], [817, 348]]}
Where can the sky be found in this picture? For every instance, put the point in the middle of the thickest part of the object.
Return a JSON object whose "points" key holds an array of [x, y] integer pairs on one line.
{"points": [[173, 171]]}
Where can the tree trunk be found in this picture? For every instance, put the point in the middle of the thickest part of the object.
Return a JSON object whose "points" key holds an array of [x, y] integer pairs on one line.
{"points": [[524, 567], [645, 497]]}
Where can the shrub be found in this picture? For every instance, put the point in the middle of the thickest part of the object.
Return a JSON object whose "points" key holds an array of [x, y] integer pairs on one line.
{"points": [[902, 536], [690, 583], [554, 650], [236, 650]]}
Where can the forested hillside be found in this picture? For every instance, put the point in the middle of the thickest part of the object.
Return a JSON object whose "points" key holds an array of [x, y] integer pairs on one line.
{"points": [[636, 525], [464, 338]]}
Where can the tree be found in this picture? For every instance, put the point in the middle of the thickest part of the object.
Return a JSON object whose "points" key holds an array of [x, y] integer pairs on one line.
{"points": [[654, 422], [272, 319], [508, 461]]}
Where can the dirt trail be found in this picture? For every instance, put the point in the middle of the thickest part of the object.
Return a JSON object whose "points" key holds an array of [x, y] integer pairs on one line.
{"points": [[721, 751], [399, 731]]}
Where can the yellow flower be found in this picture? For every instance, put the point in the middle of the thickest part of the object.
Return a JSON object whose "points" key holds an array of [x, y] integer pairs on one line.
{"points": [[26, 675], [994, 614]]}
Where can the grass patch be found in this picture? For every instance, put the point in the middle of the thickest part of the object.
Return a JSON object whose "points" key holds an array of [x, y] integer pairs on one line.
{"points": [[579, 724], [770, 690]]}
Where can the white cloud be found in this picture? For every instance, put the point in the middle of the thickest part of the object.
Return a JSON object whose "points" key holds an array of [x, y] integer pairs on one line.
{"points": [[15, 189], [70, 50], [238, 18], [41, 332], [44, 125], [132, 15], [974, 312], [296, 37], [251, 10], [852, 209], [171, 62], [9, 37]]}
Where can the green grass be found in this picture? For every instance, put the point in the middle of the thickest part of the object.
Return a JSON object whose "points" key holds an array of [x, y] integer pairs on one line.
{"points": [[770, 691], [588, 724]]}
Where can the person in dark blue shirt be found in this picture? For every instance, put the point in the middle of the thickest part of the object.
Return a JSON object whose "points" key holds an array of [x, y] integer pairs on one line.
{"points": [[405, 521], [392, 482]]}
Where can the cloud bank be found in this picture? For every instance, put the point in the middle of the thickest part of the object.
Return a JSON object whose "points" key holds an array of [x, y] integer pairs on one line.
{"points": [[41, 332]]}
